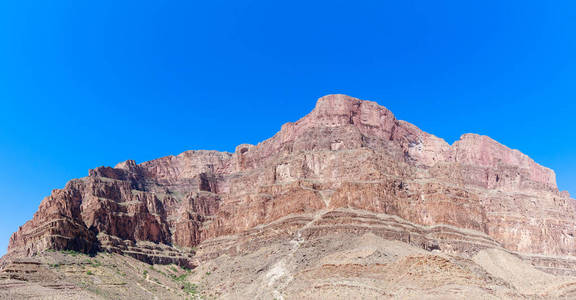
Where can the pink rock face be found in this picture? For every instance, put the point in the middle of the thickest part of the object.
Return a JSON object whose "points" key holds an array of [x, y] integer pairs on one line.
{"points": [[483, 151], [347, 153]]}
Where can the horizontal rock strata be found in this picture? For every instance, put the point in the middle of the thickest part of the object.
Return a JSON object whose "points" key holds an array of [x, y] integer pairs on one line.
{"points": [[349, 165]]}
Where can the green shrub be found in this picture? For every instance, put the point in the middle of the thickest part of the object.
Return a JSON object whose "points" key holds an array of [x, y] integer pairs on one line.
{"points": [[190, 288], [95, 263], [179, 278]]}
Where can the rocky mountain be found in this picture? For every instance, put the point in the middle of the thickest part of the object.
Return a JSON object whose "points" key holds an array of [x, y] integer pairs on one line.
{"points": [[347, 202]]}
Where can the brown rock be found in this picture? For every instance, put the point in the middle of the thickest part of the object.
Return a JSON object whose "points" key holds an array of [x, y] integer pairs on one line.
{"points": [[346, 154]]}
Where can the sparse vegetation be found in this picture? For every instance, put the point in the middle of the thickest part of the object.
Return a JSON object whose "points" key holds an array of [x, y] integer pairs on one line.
{"points": [[95, 263], [156, 270], [95, 290], [180, 278], [208, 273], [186, 286], [108, 277], [71, 252], [190, 288]]}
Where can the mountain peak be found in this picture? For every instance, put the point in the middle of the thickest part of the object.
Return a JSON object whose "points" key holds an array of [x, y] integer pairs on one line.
{"points": [[349, 167]]}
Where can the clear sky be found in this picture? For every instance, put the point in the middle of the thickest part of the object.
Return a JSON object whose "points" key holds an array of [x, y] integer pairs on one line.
{"points": [[91, 83]]}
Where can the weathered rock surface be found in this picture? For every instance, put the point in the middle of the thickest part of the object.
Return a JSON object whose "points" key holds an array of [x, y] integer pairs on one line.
{"points": [[348, 154], [70, 275], [367, 265], [341, 265]]}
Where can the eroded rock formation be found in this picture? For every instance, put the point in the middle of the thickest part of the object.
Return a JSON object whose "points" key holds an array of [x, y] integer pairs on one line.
{"points": [[346, 154]]}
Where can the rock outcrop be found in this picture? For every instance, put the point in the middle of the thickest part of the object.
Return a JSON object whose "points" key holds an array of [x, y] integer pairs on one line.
{"points": [[347, 154]]}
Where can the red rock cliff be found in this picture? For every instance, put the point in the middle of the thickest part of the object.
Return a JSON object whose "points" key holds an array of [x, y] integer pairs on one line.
{"points": [[346, 153]]}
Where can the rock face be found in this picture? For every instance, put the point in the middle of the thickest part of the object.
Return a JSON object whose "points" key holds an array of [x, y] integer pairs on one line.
{"points": [[347, 154]]}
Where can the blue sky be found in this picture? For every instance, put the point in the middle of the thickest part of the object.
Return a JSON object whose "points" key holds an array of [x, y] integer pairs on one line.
{"points": [[85, 84]]}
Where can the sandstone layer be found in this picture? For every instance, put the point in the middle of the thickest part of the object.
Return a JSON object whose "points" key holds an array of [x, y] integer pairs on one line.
{"points": [[349, 167]]}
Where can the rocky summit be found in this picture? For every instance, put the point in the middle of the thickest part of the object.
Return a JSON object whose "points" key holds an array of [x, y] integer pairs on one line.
{"points": [[346, 203]]}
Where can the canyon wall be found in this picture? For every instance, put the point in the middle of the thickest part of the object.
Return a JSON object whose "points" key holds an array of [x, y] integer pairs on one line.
{"points": [[346, 154]]}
